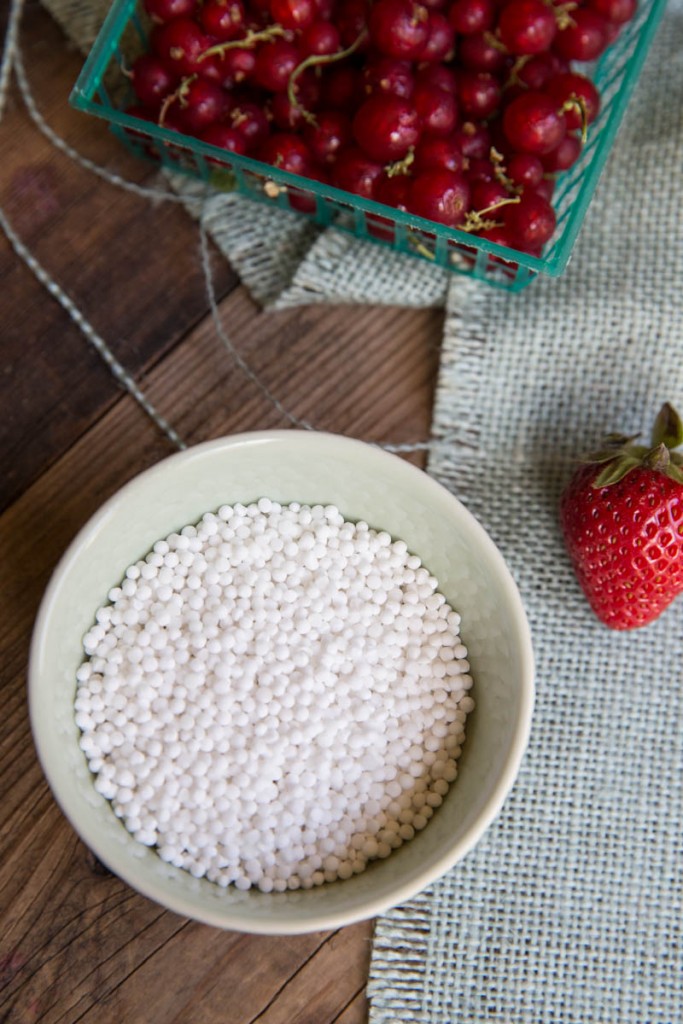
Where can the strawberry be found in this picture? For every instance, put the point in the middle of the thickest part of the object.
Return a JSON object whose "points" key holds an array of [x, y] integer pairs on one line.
{"points": [[622, 520]]}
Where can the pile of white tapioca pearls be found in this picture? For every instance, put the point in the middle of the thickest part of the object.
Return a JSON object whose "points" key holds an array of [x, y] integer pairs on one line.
{"points": [[274, 697]]}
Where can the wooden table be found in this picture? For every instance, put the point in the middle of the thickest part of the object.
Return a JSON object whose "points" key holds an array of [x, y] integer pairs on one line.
{"points": [[77, 944]]}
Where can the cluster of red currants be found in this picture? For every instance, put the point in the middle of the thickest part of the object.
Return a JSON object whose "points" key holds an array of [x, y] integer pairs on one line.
{"points": [[458, 111]]}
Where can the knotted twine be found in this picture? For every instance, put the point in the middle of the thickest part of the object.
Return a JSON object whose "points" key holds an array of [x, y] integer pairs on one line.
{"points": [[570, 908]]}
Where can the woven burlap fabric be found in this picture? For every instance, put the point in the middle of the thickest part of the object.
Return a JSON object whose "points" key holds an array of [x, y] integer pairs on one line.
{"points": [[569, 910], [285, 260]]}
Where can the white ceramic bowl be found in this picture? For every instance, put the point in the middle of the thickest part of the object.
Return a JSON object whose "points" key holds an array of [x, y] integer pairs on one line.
{"points": [[365, 483]]}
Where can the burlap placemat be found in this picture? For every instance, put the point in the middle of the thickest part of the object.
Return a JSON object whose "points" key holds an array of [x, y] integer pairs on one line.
{"points": [[569, 910], [286, 260]]}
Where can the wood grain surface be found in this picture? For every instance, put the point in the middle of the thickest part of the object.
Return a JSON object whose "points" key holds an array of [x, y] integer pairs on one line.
{"points": [[76, 943]]}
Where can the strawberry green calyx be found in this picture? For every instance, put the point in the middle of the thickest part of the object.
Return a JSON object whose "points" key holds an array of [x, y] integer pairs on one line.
{"points": [[621, 455], [668, 428]]}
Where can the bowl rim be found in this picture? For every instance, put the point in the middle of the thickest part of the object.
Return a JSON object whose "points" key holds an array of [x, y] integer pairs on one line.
{"points": [[368, 907]]}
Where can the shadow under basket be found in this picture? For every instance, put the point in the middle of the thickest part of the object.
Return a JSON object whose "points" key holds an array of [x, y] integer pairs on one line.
{"points": [[103, 89]]}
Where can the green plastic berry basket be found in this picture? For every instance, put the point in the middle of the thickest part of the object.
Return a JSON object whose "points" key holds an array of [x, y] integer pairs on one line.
{"points": [[103, 89]]}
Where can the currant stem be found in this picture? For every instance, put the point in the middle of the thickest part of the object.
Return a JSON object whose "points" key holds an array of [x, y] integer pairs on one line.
{"points": [[317, 60], [179, 95], [495, 42], [474, 221], [513, 78], [499, 172], [563, 14], [401, 166], [247, 43], [575, 102], [419, 247]]}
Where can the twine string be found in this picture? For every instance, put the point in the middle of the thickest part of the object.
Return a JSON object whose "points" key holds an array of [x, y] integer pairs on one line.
{"points": [[215, 315], [12, 61], [84, 326], [144, 191]]}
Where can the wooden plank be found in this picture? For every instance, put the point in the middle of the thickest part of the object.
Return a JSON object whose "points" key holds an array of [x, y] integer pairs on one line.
{"points": [[77, 943], [356, 1011], [330, 979], [117, 256], [225, 978]]}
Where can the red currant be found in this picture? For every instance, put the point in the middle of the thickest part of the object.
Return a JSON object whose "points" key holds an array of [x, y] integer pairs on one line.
{"points": [[180, 45], [342, 87], [585, 38], [386, 127], [527, 26], [612, 30], [440, 41], [352, 20], [166, 10], [470, 16], [487, 194], [399, 28], [356, 172], [615, 11], [286, 151], [225, 137], [569, 87], [294, 14], [152, 81], [249, 119], [480, 169], [533, 124], [479, 95], [325, 8], [291, 114], [441, 196], [434, 153], [478, 52], [275, 63], [393, 191], [238, 64], [531, 221], [436, 109], [537, 72], [545, 188], [389, 75], [328, 136], [525, 170], [222, 19], [564, 156], [473, 139], [322, 38], [301, 199], [437, 75], [499, 236], [202, 104]]}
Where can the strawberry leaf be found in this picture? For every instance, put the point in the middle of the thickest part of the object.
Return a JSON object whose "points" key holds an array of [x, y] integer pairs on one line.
{"points": [[637, 451], [668, 428], [674, 473], [616, 471]]}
